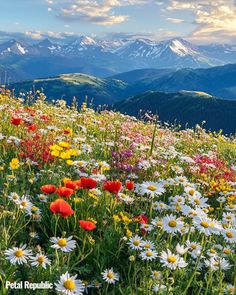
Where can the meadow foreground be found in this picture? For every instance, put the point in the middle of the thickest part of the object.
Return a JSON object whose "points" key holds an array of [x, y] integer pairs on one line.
{"points": [[102, 203]]}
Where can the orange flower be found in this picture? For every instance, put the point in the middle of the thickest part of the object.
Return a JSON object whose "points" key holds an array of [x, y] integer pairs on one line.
{"points": [[64, 192], [112, 186], [48, 188], [88, 183], [87, 225], [61, 207]]}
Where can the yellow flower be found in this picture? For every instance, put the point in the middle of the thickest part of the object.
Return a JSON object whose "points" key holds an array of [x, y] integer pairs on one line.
{"points": [[55, 147], [55, 153], [64, 144], [69, 162], [116, 218], [65, 155], [14, 164]]}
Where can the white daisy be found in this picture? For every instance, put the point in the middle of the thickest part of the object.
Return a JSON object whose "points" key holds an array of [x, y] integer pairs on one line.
{"points": [[194, 248], [147, 244], [148, 254], [14, 197], [147, 227], [229, 235], [150, 188], [172, 224], [181, 249], [43, 198], [64, 244], [125, 198], [110, 276], [18, 255], [69, 285], [40, 260], [216, 263], [156, 275], [24, 203], [172, 261], [135, 243], [157, 287]]}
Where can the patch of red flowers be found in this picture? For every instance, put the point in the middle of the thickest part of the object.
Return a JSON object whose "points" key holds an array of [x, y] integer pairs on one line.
{"points": [[61, 207], [75, 184], [88, 183], [16, 121], [36, 150], [48, 189], [112, 186], [87, 225], [64, 191]]}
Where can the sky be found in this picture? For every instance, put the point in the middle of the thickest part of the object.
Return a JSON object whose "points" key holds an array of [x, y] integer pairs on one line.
{"points": [[204, 21]]}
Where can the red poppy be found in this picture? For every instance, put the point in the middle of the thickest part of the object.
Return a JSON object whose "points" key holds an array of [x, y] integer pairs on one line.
{"points": [[48, 188], [16, 121], [32, 127], [112, 186], [71, 184], [129, 185], [87, 225], [64, 192], [60, 206], [141, 219], [88, 183]]}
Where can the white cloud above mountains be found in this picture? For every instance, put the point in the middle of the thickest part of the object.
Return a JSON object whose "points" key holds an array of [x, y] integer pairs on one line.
{"points": [[100, 12], [215, 20]]}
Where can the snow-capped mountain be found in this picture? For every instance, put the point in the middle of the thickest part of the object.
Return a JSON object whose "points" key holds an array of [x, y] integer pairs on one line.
{"points": [[46, 47], [177, 52], [112, 56], [14, 47]]}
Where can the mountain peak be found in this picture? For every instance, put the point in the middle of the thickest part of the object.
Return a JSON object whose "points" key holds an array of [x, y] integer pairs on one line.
{"points": [[45, 43]]}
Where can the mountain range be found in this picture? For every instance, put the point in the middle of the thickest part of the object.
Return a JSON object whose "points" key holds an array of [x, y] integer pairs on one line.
{"points": [[20, 60]]}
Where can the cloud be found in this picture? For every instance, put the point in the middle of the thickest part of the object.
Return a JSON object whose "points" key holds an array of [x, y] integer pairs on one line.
{"points": [[215, 20], [99, 12], [175, 20]]}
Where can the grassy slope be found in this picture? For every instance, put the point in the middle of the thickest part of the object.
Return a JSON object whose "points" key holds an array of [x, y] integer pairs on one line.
{"points": [[184, 107]]}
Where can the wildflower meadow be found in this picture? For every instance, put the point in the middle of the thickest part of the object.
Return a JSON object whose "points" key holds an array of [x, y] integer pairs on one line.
{"points": [[97, 202]]}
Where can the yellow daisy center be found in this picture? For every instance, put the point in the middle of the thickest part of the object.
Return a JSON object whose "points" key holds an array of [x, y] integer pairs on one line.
{"points": [[194, 246], [191, 192], [147, 246], [227, 251], [136, 242], [152, 187], [229, 234], [62, 242], [149, 253], [212, 251], [156, 274], [110, 275], [172, 223], [171, 259], [23, 203], [40, 259], [197, 201], [205, 224], [19, 253], [69, 284]]}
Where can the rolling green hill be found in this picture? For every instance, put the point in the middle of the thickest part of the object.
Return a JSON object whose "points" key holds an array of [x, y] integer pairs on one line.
{"points": [[218, 81], [99, 91], [185, 108]]}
